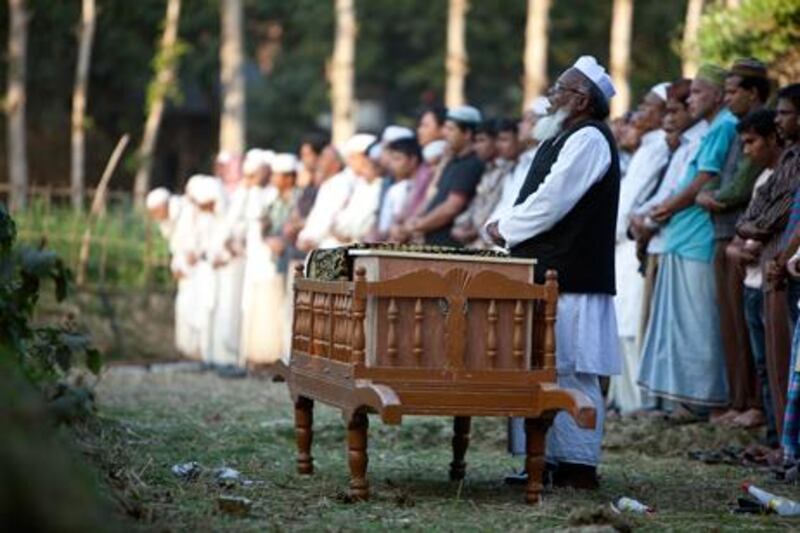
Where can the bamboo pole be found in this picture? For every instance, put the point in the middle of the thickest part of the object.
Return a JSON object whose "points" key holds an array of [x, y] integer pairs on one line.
{"points": [[231, 56], [536, 42], [694, 11], [98, 203], [621, 28], [456, 61], [342, 74], [15, 104], [79, 96]]}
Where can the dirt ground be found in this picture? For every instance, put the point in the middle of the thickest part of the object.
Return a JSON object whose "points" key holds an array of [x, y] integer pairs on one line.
{"points": [[152, 419]]}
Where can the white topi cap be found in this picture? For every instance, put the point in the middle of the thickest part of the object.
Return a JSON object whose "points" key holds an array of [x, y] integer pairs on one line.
{"points": [[393, 132], [255, 159], [157, 198], [596, 73], [358, 144], [284, 163], [660, 90], [464, 113], [204, 189]]}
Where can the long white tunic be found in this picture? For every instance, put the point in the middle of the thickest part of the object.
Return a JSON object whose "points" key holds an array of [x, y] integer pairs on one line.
{"points": [[331, 197], [513, 183], [360, 213], [184, 243], [586, 328]]}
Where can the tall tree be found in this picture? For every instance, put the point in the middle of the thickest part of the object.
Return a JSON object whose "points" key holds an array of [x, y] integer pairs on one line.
{"points": [[15, 103], [342, 73], [79, 96], [231, 55], [689, 51], [456, 61], [536, 50], [621, 28], [161, 86]]}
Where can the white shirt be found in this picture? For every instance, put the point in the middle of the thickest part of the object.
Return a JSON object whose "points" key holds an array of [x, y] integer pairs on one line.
{"points": [[361, 211], [676, 169], [587, 320], [331, 197], [393, 204], [513, 183], [753, 278], [641, 179]]}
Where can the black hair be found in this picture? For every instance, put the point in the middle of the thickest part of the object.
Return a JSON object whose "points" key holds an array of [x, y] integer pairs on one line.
{"points": [[439, 114], [791, 93], [471, 127], [406, 146], [761, 122], [317, 140], [507, 125], [759, 83], [487, 127]]}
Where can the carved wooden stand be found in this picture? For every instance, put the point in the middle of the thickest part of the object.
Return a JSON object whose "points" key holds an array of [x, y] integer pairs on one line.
{"points": [[457, 340]]}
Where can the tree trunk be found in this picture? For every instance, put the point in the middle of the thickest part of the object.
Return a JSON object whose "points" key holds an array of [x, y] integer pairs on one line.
{"points": [[79, 95], [157, 94], [15, 104], [694, 11], [342, 73], [456, 62], [732, 4], [231, 55], [621, 27], [536, 50]]}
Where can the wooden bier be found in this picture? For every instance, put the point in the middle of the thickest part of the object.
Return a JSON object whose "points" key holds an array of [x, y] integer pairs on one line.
{"points": [[429, 334]]}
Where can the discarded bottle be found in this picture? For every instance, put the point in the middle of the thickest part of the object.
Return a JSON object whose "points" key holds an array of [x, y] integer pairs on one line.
{"points": [[634, 506], [777, 504]]}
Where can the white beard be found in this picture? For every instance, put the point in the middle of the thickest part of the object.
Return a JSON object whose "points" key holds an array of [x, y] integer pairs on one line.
{"points": [[550, 125]]}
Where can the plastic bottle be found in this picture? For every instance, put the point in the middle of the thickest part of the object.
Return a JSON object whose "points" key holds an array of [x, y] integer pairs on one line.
{"points": [[777, 504], [631, 505]]}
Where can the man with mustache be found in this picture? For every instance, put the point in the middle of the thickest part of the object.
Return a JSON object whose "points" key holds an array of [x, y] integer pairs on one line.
{"points": [[565, 218]]}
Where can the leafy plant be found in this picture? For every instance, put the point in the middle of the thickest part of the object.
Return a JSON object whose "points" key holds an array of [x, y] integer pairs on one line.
{"points": [[43, 353]]}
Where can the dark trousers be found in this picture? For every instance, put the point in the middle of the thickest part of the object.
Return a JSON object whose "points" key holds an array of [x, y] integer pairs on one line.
{"points": [[754, 314], [742, 382], [792, 297], [778, 348]]}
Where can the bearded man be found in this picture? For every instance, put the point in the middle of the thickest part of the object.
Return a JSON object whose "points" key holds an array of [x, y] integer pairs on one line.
{"points": [[565, 218]]}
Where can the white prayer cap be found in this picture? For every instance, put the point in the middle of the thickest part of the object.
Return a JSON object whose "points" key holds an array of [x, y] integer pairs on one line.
{"points": [[204, 189], [540, 106], [660, 90], [375, 151], [157, 198], [464, 113], [284, 163], [433, 150], [590, 68], [224, 157], [358, 144], [393, 132], [255, 159]]}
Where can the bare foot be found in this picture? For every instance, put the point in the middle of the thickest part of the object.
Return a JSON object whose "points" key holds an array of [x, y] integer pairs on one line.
{"points": [[750, 419], [682, 414], [723, 417]]}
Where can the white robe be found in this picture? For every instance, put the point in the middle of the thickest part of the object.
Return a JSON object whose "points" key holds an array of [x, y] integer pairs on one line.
{"points": [[393, 205], [360, 213], [639, 183], [207, 282], [586, 328], [184, 242], [331, 198]]}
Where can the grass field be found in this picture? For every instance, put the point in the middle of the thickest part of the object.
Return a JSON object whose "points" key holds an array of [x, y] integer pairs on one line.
{"points": [[151, 420]]}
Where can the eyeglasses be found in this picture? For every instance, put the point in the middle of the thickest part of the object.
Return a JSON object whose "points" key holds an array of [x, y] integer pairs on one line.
{"points": [[559, 87]]}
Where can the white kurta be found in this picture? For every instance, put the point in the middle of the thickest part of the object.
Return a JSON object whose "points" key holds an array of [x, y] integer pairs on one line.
{"points": [[331, 197], [513, 183], [207, 282], [586, 328], [393, 205], [360, 213], [640, 181], [184, 242]]}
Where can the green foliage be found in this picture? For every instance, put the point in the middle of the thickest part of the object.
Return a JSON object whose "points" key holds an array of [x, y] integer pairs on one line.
{"points": [[765, 29], [44, 354]]}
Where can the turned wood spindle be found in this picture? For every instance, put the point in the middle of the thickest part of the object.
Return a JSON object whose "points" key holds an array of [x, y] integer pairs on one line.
{"points": [[357, 457], [491, 333], [517, 339], [391, 338], [551, 288], [419, 315], [358, 312], [304, 434]]}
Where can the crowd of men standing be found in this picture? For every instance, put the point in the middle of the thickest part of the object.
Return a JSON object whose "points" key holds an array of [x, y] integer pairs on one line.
{"points": [[706, 258]]}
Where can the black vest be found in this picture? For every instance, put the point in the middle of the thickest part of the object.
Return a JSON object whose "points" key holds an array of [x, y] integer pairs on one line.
{"points": [[581, 245]]}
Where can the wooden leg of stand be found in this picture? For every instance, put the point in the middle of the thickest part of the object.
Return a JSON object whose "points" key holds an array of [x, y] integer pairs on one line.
{"points": [[461, 426], [357, 455], [535, 432], [304, 433]]}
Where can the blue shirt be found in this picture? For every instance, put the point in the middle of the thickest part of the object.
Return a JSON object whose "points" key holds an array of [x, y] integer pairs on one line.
{"points": [[690, 232]]}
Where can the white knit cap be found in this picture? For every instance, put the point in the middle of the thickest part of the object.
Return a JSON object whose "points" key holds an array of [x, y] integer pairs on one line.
{"points": [[224, 157], [433, 150], [284, 163], [255, 159], [596, 73], [205, 189], [393, 132], [464, 113], [358, 143], [157, 198], [660, 90]]}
